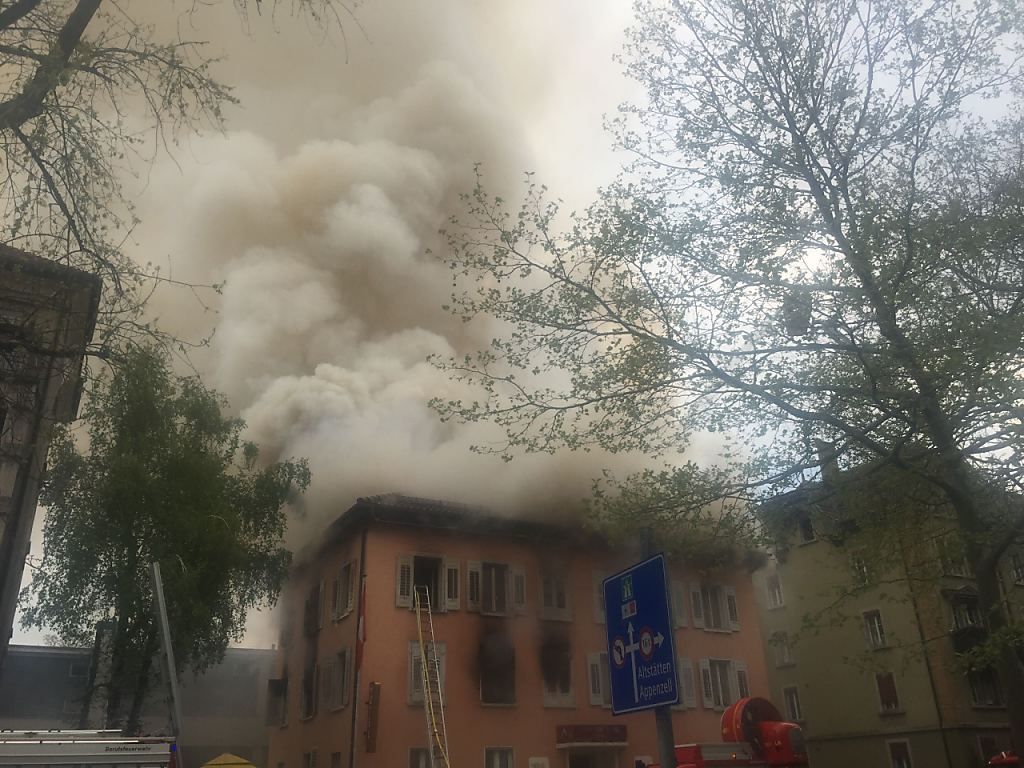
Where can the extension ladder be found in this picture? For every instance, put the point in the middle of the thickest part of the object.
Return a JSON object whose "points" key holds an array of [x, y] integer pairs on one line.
{"points": [[433, 700]]}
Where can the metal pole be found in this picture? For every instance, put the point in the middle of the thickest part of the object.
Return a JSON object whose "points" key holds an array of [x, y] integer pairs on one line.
{"points": [[170, 670], [662, 715]]}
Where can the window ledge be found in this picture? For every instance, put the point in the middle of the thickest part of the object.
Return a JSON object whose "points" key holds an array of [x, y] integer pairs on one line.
{"points": [[988, 707], [718, 631], [787, 665], [808, 543], [778, 607], [559, 704], [892, 712], [497, 705], [885, 647]]}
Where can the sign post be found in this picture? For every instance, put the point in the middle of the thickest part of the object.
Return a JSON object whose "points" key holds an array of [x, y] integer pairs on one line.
{"points": [[641, 652]]}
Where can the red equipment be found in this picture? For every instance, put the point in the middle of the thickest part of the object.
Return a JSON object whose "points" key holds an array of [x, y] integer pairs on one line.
{"points": [[1004, 758], [753, 734]]}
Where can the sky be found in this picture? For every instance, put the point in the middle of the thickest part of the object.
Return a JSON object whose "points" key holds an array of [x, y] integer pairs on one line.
{"points": [[319, 206]]}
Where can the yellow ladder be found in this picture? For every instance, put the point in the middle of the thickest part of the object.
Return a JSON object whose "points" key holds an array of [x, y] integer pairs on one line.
{"points": [[430, 665]]}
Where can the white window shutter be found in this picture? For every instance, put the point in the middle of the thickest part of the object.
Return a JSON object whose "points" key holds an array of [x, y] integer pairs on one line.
{"points": [[681, 704], [594, 678], [403, 582], [689, 693], [320, 606], [353, 577], [474, 583], [452, 583], [599, 616], [741, 679], [517, 591], [697, 603], [349, 677], [707, 691], [606, 679], [415, 685], [732, 609], [679, 612], [335, 597]]}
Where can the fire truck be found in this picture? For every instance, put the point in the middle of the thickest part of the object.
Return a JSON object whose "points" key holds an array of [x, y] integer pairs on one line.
{"points": [[87, 749], [753, 734]]}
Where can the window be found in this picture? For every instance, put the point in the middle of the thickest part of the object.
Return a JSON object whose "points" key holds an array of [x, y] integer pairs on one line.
{"points": [[807, 534], [554, 594], [985, 688], [783, 649], [309, 681], [965, 613], [336, 672], [335, 759], [498, 757], [874, 630], [888, 699], [791, 698], [774, 589], [419, 758], [711, 598], [343, 592], [678, 597], [78, 669], [277, 700], [420, 572], [952, 559], [1017, 568], [859, 566], [313, 610], [415, 695], [556, 669], [599, 677], [497, 669], [687, 691], [899, 754], [494, 594], [715, 674], [309, 759]]}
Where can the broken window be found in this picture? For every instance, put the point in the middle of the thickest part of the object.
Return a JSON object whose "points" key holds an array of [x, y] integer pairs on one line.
{"points": [[555, 596], [417, 572], [312, 618], [309, 686], [556, 669], [497, 669]]}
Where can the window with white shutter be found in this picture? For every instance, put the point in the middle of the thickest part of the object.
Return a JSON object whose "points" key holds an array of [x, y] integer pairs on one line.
{"points": [[687, 690], [742, 680], [679, 611], [518, 589], [599, 679], [732, 609], [707, 691], [598, 579], [697, 604], [415, 687]]}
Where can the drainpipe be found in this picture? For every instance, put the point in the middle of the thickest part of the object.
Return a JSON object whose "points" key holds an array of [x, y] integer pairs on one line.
{"points": [[360, 613], [927, 657]]}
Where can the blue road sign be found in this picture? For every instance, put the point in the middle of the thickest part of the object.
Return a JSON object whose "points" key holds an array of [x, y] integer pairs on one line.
{"points": [[640, 649]]}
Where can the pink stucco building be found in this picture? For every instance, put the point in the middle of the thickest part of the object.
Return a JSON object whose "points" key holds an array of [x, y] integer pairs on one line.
{"points": [[519, 628]]}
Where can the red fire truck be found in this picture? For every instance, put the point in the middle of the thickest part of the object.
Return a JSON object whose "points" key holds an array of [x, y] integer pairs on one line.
{"points": [[753, 734]]}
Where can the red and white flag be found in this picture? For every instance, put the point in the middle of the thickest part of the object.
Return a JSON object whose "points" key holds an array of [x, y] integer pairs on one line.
{"points": [[361, 626]]}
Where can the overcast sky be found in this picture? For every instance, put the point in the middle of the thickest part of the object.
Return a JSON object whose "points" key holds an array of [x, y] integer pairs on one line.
{"points": [[318, 206]]}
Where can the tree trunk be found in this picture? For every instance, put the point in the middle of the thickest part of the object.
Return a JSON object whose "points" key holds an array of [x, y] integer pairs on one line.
{"points": [[133, 726], [117, 670]]}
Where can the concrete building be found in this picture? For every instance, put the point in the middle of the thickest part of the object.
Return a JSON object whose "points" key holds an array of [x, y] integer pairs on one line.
{"points": [[223, 709], [519, 627], [873, 678], [47, 316]]}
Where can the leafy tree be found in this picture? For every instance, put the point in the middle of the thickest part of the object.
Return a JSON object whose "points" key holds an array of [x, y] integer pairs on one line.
{"points": [[167, 479], [81, 82], [819, 250]]}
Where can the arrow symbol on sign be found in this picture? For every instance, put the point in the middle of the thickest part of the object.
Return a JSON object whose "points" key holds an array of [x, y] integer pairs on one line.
{"points": [[659, 639], [631, 649]]}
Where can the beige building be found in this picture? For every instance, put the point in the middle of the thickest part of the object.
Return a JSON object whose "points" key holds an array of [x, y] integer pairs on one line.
{"points": [[864, 657], [47, 315]]}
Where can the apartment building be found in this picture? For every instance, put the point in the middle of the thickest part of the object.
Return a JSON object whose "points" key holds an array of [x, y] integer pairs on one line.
{"points": [[519, 629], [47, 316], [864, 654]]}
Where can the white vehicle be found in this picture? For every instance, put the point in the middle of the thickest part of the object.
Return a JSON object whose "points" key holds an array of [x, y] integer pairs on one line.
{"points": [[86, 749]]}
